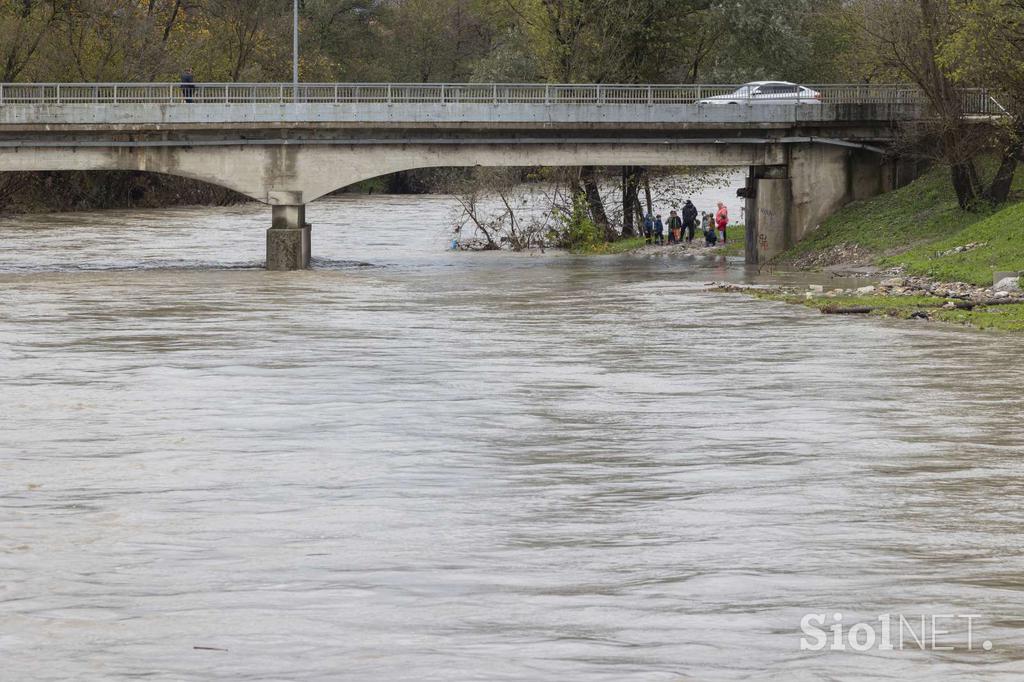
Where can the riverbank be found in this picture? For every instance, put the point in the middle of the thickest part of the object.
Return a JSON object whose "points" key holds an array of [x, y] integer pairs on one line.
{"points": [[639, 246], [905, 298], [921, 256], [918, 230]]}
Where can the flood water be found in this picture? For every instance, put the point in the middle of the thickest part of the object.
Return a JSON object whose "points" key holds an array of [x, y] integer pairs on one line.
{"points": [[464, 466]]}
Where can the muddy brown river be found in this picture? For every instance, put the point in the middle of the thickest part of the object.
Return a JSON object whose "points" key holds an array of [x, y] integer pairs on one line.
{"points": [[415, 464]]}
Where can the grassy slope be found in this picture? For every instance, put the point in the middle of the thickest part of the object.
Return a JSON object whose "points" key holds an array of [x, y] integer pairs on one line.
{"points": [[1002, 235], [911, 226]]}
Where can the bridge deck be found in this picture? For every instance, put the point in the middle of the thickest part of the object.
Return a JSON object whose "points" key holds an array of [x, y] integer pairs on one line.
{"points": [[424, 115], [131, 106]]}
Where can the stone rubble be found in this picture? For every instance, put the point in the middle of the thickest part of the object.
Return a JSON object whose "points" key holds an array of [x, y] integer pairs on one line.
{"points": [[898, 286], [963, 249], [920, 286]]}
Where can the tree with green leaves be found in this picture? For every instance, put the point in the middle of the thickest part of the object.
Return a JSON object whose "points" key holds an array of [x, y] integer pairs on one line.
{"points": [[986, 49], [912, 36]]}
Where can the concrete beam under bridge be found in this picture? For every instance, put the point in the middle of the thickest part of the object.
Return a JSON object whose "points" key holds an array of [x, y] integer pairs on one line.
{"points": [[315, 170]]}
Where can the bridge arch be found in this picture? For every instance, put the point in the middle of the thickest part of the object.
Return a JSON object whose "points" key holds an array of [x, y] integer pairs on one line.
{"points": [[320, 171]]}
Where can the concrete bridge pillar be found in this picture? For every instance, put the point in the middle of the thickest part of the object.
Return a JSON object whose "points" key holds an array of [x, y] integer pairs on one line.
{"points": [[769, 195], [289, 244]]}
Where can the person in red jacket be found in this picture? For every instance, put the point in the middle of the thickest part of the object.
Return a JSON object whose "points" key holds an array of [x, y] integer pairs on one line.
{"points": [[722, 220]]}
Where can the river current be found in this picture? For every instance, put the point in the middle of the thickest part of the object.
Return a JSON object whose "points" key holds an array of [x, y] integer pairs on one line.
{"points": [[416, 464]]}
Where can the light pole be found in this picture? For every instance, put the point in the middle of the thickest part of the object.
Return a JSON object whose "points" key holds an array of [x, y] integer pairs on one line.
{"points": [[295, 49]]}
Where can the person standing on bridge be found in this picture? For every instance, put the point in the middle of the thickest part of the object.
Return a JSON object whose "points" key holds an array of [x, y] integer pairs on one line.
{"points": [[659, 231], [690, 220], [675, 229], [188, 88], [722, 220]]}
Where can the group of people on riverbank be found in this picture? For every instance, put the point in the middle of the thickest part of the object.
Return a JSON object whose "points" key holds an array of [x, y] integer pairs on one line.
{"points": [[683, 227]]}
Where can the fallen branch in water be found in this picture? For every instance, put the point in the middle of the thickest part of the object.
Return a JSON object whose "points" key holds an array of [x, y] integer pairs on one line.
{"points": [[839, 310], [971, 305]]}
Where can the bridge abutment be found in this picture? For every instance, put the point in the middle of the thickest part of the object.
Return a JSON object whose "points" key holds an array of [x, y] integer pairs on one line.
{"points": [[289, 239], [787, 202]]}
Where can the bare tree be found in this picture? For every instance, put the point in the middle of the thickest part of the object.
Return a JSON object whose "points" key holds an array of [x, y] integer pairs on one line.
{"points": [[499, 210], [245, 25], [23, 27]]}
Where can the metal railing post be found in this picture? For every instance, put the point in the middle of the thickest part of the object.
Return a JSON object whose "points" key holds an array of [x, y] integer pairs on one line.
{"points": [[390, 100], [58, 93], [1, 93], [495, 94]]}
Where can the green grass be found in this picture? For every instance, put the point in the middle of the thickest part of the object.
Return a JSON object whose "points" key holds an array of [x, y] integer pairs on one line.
{"points": [[610, 248], [1009, 318], [891, 306], [737, 241], [913, 225], [925, 210], [999, 318], [1002, 237]]}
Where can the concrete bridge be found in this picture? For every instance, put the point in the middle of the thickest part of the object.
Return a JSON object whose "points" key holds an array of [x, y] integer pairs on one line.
{"points": [[288, 145]]}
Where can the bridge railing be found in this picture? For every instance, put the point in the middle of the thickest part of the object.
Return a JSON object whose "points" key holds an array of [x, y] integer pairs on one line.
{"points": [[975, 101]]}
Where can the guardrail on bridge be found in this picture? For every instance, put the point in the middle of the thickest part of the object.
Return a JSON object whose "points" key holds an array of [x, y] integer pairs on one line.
{"points": [[976, 101]]}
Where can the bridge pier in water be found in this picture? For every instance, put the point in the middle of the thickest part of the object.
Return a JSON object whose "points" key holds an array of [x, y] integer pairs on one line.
{"points": [[289, 239]]}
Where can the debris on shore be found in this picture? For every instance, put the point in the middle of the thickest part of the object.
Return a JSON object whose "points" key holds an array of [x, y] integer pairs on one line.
{"points": [[911, 298]]}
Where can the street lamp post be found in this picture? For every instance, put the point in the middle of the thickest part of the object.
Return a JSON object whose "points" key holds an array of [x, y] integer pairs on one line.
{"points": [[295, 50]]}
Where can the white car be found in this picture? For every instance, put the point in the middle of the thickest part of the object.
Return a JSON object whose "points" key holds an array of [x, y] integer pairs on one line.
{"points": [[773, 92]]}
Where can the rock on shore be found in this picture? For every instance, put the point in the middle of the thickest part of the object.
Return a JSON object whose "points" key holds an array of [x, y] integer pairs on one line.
{"points": [[925, 286]]}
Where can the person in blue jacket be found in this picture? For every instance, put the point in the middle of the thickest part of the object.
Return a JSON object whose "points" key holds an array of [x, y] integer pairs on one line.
{"points": [[659, 231], [648, 228], [188, 86]]}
